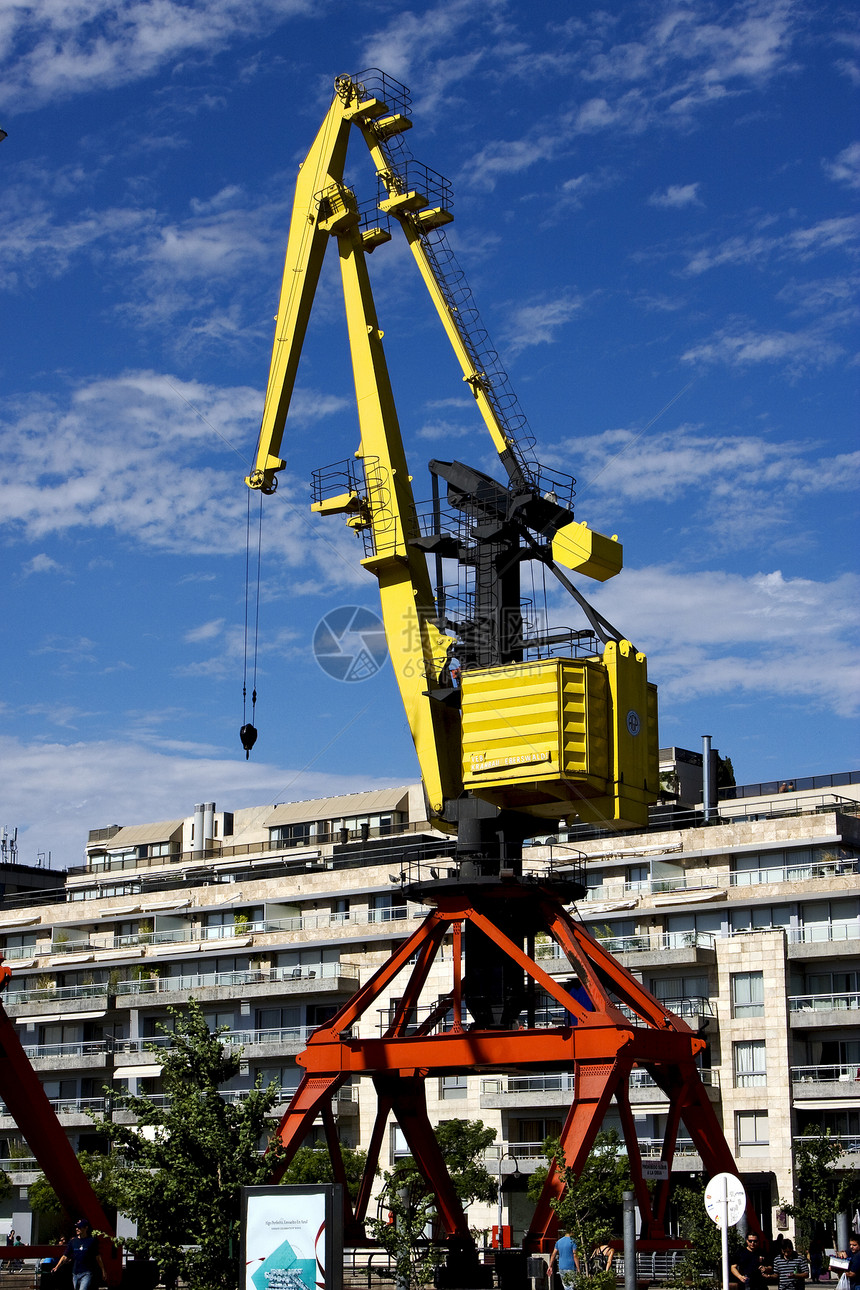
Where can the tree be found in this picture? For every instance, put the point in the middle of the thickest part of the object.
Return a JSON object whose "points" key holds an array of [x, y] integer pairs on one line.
{"points": [[104, 1172], [819, 1192], [411, 1204], [311, 1165], [701, 1263], [590, 1203], [725, 772], [188, 1159]]}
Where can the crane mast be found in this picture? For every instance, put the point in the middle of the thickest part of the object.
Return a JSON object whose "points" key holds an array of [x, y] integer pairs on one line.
{"points": [[552, 724], [545, 724]]}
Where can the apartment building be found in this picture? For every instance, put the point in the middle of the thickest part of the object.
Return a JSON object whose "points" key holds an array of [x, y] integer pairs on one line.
{"points": [[747, 925]]}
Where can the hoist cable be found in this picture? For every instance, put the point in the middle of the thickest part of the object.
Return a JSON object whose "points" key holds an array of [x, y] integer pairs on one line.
{"points": [[257, 607]]}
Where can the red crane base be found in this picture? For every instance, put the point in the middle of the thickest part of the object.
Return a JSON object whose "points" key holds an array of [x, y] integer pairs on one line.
{"points": [[620, 1027]]}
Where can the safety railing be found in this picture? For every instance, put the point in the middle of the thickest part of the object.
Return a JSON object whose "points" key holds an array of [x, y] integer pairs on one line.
{"points": [[55, 994], [388, 914], [84, 1048], [849, 1142], [842, 1074], [823, 1002]]}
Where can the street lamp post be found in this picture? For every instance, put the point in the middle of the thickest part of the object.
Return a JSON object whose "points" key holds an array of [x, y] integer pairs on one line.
{"points": [[504, 1156]]}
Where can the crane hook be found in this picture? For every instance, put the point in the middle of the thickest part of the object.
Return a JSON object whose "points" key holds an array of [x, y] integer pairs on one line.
{"points": [[248, 735]]}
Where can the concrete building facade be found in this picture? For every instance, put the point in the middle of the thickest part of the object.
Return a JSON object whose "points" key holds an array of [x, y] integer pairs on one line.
{"points": [[747, 925]]}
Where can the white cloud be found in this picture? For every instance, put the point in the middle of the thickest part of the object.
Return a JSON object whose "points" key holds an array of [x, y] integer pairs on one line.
{"points": [[51, 52], [798, 351], [798, 244], [716, 633], [56, 792], [845, 168], [205, 632], [133, 456], [676, 196], [538, 323], [743, 487], [41, 563]]}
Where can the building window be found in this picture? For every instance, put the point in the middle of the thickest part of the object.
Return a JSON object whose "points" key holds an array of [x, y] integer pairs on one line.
{"points": [[747, 994], [749, 1064], [752, 1133], [398, 1146], [452, 1087]]}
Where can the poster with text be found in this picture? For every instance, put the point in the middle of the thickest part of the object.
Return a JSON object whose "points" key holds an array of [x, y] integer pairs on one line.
{"points": [[292, 1238]]}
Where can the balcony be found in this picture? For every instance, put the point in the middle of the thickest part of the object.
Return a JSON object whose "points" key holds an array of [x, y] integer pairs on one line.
{"points": [[529, 1155], [823, 940], [91, 1054], [821, 1010], [662, 949], [70, 1111], [834, 1083], [74, 999], [850, 1144], [325, 978], [556, 1089]]}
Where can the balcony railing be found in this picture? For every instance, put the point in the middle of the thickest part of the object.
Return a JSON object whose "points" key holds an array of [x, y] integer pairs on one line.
{"points": [[252, 976], [783, 872], [849, 1142], [654, 942], [55, 994], [823, 1002], [84, 1048], [388, 914], [20, 1165], [843, 1074], [563, 1082]]}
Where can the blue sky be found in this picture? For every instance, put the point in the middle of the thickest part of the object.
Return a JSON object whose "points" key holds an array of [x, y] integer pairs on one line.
{"points": [[656, 208]]}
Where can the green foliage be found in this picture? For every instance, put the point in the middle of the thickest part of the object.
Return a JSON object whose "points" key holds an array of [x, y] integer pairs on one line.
{"points": [[404, 1236], [105, 1175], [412, 1206], [725, 772], [819, 1192], [589, 1206], [312, 1165], [701, 1265], [189, 1158]]}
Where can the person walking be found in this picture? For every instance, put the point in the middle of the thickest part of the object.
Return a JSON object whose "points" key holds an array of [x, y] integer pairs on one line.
{"points": [[564, 1259], [747, 1267], [790, 1267], [82, 1252]]}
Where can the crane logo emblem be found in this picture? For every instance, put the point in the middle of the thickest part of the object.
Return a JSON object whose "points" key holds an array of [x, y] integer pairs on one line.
{"points": [[634, 723], [349, 643]]}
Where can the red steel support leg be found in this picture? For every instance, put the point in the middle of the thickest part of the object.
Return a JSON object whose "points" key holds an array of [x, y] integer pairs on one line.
{"points": [[383, 1109], [313, 1093], [594, 1084], [407, 1095]]}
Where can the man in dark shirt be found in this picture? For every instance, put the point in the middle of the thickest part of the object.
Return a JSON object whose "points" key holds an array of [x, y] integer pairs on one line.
{"points": [[747, 1267], [82, 1252], [853, 1268]]}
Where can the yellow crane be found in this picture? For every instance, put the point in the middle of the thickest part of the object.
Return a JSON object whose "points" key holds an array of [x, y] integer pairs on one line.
{"points": [[534, 722]]}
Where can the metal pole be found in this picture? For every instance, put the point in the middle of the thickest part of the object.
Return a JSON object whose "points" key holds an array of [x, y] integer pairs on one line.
{"points": [[629, 1241], [724, 1230], [401, 1220], [706, 777], [843, 1230]]}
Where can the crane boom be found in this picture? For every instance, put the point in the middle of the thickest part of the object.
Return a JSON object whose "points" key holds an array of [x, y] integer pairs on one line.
{"points": [[544, 724]]}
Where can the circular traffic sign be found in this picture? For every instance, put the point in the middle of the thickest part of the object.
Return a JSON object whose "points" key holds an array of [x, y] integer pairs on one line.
{"points": [[725, 1190]]}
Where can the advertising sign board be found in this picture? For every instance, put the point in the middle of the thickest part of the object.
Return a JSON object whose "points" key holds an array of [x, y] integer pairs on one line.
{"points": [[292, 1238]]}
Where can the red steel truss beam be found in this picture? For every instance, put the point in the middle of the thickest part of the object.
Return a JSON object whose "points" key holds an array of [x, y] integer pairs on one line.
{"points": [[624, 1028]]}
